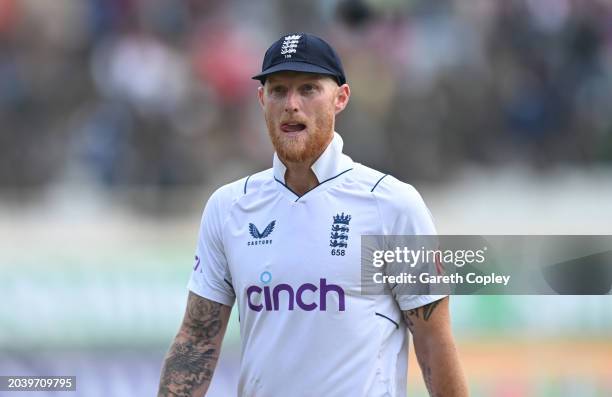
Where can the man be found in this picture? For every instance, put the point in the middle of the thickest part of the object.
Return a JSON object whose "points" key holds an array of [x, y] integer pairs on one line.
{"points": [[285, 245]]}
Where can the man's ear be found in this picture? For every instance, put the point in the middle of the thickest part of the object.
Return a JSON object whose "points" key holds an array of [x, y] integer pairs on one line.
{"points": [[260, 95], [342, 97]]}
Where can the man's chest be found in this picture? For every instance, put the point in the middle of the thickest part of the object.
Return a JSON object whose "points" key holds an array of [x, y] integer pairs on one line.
{"points": [[298, 246]]}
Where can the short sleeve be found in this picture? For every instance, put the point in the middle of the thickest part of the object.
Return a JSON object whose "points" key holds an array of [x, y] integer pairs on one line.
{"points": [[412, 215], [405, 214], [210, 277]]}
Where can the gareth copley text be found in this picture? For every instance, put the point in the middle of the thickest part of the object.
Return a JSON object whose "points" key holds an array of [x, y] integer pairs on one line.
{"points": [[426, 278]]}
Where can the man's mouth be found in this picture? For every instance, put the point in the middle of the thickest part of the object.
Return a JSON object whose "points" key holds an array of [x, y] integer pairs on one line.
{"points": [[292, 127]]}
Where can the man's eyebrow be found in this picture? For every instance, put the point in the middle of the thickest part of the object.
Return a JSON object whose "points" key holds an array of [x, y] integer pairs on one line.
{"points": [[273, 83], [276, 82]]}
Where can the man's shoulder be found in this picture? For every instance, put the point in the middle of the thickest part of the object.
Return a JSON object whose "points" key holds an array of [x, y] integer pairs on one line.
{"points": [[387, 189], [236, 190], [382, 184]]}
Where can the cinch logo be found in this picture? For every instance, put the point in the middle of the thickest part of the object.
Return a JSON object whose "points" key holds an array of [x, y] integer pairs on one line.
{"points": [[271, 295]]}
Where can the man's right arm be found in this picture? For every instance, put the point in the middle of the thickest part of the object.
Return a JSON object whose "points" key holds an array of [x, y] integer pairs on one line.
{"points": [[192, 358]]}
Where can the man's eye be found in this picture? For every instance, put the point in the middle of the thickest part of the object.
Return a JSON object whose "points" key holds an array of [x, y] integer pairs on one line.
{"points": [[278, 90], [308, 88]]}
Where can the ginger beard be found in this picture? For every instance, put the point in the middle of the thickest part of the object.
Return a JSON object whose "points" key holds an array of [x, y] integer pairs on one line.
{"points": [[306, 146]]}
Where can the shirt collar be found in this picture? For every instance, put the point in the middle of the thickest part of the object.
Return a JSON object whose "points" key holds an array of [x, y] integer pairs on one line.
{"points": [[329, 164]]}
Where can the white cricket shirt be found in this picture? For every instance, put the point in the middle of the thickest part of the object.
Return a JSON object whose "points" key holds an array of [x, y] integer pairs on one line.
{"points": [[292, 264]]}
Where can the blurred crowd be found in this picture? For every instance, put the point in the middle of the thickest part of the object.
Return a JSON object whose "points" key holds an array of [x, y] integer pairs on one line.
{"points": [[158, 92]]}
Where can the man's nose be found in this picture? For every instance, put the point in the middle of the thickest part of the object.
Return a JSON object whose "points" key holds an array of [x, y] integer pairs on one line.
{"points": [[291, 104]]}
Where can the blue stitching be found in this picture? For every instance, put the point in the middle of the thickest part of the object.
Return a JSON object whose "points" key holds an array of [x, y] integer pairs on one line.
{"points": [[382, 315], [383, 177], [245, 183], [298, 196]]}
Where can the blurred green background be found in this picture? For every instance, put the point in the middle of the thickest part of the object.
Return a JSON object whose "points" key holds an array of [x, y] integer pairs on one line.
{"points": [[118, 118]]}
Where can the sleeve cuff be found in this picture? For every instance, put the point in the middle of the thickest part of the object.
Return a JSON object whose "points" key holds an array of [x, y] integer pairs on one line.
{"points": [[211, 295], [414, 301]]}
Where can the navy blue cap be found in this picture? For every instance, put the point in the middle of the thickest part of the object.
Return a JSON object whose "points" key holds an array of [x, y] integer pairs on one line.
{"points": [[301, 52]]}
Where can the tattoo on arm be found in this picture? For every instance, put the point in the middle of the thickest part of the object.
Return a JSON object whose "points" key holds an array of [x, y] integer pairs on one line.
{"points": [[424, 311], [412, 318], [435, 349], [429, 309], [192, 358], [407, 318], [428, 382]]}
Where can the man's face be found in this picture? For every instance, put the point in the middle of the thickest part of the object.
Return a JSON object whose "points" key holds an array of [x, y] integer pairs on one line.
{"points": [[300, 110]]}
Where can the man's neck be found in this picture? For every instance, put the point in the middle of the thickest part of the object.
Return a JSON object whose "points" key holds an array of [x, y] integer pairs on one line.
{"points": [[300, 178]]}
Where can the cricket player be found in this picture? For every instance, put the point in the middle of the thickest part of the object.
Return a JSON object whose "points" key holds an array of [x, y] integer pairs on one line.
{"points": [[284, 245]]}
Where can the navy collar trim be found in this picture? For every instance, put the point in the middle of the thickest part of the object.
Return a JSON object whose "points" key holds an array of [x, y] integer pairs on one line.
{"points": [[310, 190]]}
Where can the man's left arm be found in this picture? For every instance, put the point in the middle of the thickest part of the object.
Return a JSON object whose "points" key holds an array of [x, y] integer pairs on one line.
{"points": [[435, 349]]}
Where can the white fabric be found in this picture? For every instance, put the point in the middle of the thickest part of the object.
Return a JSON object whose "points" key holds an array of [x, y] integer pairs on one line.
{"points": [[306, 329]]}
